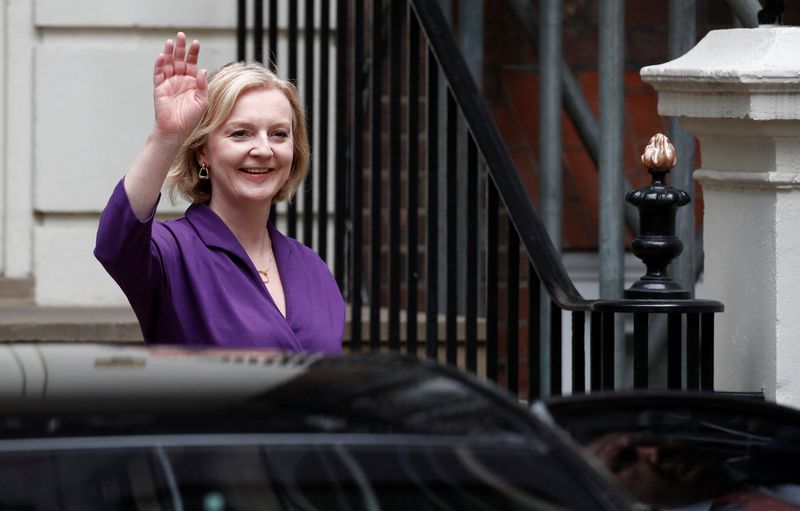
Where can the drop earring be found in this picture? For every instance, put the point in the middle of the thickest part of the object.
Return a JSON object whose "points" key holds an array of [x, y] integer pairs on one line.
{"points": [[203, 172]]}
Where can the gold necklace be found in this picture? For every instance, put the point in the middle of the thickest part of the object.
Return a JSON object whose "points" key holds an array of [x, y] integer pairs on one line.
{"points": [[265, 272]]}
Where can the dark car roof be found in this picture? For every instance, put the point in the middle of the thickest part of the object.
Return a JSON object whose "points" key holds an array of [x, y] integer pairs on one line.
{"points": [[92, 388]]}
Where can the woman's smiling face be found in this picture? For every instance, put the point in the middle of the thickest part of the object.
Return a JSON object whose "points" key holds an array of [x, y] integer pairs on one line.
{"points": [[250, 155]]}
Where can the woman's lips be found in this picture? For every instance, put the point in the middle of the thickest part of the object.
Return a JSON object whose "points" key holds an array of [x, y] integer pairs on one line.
{"points": [[256, 171]]}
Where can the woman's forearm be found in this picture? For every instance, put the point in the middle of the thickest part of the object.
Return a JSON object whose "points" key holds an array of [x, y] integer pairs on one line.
{"points": [[146, 175]]}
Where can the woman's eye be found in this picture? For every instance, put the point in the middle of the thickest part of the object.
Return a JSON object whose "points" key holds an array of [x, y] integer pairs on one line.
{"points": [[280, 134], [239, 134]]}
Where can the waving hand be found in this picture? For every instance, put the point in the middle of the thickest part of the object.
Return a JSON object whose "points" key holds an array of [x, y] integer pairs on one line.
{"points": [[180, 90], [180, 95]]}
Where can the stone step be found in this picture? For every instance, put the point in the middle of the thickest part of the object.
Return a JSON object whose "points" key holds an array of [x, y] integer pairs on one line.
{"points": [[27, 322], [31, 323], [16, 291]]}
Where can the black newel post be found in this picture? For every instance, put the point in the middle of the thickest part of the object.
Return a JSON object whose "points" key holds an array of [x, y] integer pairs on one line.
{"points": [[656, 244]]}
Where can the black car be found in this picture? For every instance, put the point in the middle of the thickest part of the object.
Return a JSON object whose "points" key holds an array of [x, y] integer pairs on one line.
{"points": [[101, 427], [693, 451]]}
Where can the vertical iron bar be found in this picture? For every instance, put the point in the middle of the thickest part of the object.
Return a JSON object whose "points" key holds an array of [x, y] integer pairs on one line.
{"points": [[342, 138], [578, 352], [451, 212], [555, 350], [674, 335], [550, 141], [693, 351], [707, 351], [610, 152], [376, 167], [273, 34], [608, 350], [550, 117], [446, 7], [534, 351], [471, 20], [322, 131], [241, 29], [291, 214], [512, 314], [432, 208], [640, 350], [395, 89], [611, 64], [472, 247], [412, 200], [356, 186], [682, 36], [595, 351], [492, 241], [308, 89], [258, 30]]}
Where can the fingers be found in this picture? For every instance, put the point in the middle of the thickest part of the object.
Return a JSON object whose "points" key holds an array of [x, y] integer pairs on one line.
{"points": [[180, 47], [179, 65], [158, 71], [194, 51], [191, 58], [202, 81], [176, 60], [168, 59]]}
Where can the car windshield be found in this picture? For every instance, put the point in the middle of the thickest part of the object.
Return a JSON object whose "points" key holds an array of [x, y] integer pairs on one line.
{"points": [[283, 473]]}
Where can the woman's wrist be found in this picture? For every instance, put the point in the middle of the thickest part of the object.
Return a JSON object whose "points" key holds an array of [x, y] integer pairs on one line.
{"points": [[169, 142]]}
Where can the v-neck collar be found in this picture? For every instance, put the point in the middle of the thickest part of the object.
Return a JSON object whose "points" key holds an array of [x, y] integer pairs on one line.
{"points": [[215, 233]]}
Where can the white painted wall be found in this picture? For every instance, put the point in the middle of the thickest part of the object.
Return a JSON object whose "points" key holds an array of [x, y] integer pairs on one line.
{"points": [[3, 46], [77, 104], [17, 142]]}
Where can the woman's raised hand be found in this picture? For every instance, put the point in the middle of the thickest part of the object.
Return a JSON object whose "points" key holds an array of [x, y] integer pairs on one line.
{"points": [[180, 90]]}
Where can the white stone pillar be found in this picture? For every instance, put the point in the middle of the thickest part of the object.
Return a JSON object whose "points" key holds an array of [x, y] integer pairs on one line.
{"points": [[739, 91]]}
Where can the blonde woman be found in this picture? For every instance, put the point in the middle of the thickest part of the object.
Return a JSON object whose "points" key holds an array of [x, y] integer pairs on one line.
{"points": [[232, 144]]}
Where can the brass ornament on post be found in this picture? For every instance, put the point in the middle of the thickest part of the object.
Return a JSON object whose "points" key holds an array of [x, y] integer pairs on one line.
{"points": [[656, 244]]}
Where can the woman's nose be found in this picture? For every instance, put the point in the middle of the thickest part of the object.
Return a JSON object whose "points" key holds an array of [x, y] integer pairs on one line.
{"points": [[261, 146]]}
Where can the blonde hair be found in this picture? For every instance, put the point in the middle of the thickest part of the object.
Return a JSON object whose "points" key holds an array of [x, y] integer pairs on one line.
{"points": [[225, 86]]}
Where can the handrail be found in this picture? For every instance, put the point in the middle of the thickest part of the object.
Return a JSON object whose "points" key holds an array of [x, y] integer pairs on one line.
{"points": [[501, 168]]}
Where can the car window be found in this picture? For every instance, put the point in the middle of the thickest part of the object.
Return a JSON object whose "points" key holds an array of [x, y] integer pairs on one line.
{"points": [[83, 480], [289, 477]]}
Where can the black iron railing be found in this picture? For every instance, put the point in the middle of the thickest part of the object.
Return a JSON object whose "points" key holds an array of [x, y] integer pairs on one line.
{"points": [[436, 243]]}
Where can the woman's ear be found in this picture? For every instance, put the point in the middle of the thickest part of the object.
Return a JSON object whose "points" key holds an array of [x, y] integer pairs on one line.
{"points": [[200, 156]]}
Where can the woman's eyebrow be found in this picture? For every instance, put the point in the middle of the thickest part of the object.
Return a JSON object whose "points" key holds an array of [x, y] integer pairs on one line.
{"points": [[236, 123], [246, 123]]}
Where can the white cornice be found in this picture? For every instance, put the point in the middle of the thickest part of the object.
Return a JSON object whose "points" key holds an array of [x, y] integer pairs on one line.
{"points": [[736, 73], [749, 180]]}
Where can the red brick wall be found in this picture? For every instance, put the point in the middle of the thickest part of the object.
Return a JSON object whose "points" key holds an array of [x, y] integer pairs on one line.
{"points": [[511, 87]]}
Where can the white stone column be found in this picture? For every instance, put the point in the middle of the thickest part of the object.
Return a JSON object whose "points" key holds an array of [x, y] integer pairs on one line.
{"points": [[739, 91]]}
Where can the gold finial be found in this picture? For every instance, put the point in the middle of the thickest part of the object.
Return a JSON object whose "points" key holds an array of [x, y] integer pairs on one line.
{"points": [[659, 153]]}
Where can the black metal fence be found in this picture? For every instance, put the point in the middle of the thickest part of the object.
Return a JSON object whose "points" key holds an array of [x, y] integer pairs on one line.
{"points": [[435, 242]]}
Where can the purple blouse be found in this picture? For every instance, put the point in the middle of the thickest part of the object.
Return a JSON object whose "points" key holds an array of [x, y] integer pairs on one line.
{"points": [[189, 281]]}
